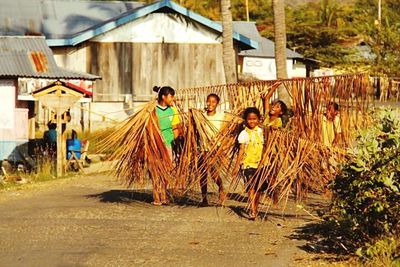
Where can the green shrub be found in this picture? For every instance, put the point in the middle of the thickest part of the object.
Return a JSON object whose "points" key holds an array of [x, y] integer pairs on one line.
{"points": [[366, 193]]}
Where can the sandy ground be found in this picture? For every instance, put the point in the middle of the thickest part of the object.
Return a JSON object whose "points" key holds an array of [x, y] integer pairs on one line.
{"points": [[94, 221]]}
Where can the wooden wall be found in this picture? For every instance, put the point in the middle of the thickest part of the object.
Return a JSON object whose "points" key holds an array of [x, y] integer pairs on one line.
{"points": [[134, 68]]}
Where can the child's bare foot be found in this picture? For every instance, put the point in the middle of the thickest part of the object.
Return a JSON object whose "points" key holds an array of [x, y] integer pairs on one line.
{"points": [[156, 203], [252, 216]]}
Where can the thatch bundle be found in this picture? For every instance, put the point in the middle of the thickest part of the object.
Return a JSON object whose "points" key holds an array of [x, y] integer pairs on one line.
{"points": [[139, 148], [294, 160], [310, 97]]}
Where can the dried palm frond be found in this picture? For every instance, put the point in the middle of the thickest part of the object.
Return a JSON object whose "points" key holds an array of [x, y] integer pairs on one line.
{"points": [[293, 161], [291, 164], [139, 149], [309, 96], [202, 149]]}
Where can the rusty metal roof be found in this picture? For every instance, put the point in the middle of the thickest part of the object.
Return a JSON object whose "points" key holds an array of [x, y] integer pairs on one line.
{"points": [[30, 57]]}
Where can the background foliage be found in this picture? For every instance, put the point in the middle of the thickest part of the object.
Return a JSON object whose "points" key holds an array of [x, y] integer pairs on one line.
{"points": [[340, 33], [366, 194]]}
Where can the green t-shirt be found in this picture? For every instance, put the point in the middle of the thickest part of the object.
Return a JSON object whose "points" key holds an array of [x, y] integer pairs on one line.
{"points": [[167, 118]]}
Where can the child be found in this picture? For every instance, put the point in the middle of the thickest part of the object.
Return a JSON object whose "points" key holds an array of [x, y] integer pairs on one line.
{"points": [[251, 141], [168, 122], [215, 120], [331, 129], [50, 139], [273, 117], [273, 114]]}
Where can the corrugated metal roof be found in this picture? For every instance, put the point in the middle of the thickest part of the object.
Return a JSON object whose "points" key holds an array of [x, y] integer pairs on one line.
{"points": [[70, 22], [266, 47], [29, 56], [58, 18]]}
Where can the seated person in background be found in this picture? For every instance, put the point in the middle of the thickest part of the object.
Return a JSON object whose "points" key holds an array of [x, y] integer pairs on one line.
{"points": [[331, 128], [50, 138], [74, 134], [74, 144]]}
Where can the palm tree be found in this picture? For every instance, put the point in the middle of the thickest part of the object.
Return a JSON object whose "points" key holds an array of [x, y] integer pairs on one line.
{"points": [[228, 53], [280, 46]]}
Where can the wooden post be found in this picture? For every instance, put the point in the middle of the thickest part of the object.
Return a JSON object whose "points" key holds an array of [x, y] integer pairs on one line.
{"points": [[90, 118], [83, 126], [59, 145], [247, 10]]}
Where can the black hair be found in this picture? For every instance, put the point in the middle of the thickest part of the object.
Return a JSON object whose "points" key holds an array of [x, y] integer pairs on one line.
{"points": [[215, 96], [335, 106], [74, 134], [284, 108], [163, 91], [250, 110], [53, 126]]}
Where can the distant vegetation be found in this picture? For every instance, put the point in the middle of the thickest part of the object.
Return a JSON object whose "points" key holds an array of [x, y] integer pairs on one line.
{"points": [[341, 34]]}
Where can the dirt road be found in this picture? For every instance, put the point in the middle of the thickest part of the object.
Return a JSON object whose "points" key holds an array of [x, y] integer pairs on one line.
{"points": [[95, 221]]}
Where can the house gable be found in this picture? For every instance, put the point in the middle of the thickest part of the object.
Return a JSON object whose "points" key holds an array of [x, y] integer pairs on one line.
{"points": [[161, 28], [165, 6]]}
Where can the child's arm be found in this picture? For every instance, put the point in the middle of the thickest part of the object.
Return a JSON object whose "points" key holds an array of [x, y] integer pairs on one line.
{"points": [[243, 139], [178, 130], [238, 161], [176, 124], [267, 97]]}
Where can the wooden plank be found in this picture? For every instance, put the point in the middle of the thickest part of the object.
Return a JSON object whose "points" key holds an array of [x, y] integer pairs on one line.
{"points": [[134, 68]]}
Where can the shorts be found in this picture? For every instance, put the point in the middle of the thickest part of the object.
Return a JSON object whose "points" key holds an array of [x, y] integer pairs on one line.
{"points": [[254, 180]]}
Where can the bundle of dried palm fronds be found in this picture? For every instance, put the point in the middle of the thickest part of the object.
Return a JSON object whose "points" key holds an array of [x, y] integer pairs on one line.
{"points": [[139, 149], [205, 153], [310, 97], [294, 159], [289, 163]]}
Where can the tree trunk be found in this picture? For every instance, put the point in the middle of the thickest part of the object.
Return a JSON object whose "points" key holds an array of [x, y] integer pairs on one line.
{"points": [[228, 53], [280, 46]]}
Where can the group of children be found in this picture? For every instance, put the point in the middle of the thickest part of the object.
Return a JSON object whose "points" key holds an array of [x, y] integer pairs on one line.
{"points": [[250, 140]]}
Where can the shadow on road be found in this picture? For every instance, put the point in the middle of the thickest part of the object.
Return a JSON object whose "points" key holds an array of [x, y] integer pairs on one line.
{"points": [[124, 196], [237, 197], [242, 211], [145, 196], [325, 241]]}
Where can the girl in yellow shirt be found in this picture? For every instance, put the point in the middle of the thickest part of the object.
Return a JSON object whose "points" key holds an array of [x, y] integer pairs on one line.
{"points": [[251, 141]]}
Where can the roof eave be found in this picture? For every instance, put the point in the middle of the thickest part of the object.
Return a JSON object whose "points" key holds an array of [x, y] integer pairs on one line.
{"points": [[267, 56], [51, 77]]}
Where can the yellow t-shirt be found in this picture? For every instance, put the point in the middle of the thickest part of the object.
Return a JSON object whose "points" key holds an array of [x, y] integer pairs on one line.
{"points": [[253, 140], [275, 123], [330, 129], [175, 118], [216, 122]]}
